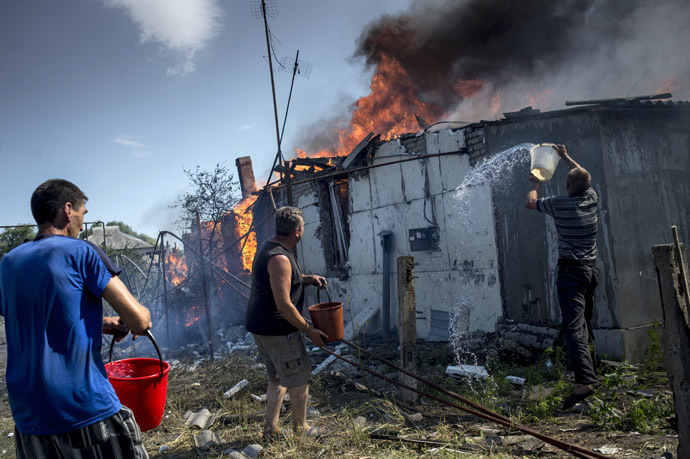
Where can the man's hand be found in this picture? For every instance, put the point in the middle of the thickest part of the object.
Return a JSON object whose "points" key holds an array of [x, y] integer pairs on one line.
{"points": [[533, 194], [561, 150], [116, 327], [316, 336], [318, 281], [563, 153]]}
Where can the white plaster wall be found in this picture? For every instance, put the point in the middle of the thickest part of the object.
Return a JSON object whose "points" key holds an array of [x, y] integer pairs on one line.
{"points": [[413, 179], [386, 186], [360, 193], [444, 141], [470, 234], [480, 292], [453, 170], [310, 250], [392, 198], [362, 251]]}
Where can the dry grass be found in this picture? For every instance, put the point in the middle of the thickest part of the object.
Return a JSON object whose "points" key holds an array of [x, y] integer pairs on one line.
{"points": [[203, 388], [340, 404]]}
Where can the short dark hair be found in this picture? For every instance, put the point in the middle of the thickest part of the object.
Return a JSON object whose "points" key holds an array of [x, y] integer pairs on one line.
{"points": [[51, 196], [579, 180], [288, 220]]}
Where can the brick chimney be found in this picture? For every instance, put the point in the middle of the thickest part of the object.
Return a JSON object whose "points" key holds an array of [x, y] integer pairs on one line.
{"points": [[246, 174]]}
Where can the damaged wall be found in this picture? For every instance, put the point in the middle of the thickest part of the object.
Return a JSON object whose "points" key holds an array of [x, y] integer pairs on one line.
{"points": [[638, 158], [461, 271]]}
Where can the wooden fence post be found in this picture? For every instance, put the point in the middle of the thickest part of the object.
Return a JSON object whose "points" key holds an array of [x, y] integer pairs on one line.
{"points": [[407, 323], [676, 337]]}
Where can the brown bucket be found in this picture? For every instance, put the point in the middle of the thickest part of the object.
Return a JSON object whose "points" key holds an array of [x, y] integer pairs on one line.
{"points": [[328, 317]]}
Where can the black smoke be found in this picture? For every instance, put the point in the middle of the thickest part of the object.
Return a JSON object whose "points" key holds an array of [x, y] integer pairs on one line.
{"points": [[504, 42]]}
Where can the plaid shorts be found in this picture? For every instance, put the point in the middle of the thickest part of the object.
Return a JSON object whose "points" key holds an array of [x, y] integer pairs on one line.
{"points": [[116, 437], [285, 358]]}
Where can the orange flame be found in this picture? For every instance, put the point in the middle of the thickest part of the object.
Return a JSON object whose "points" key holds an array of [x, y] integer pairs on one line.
{"points": [[192, 314], [244, 219], [389, 109], [176, 267]]}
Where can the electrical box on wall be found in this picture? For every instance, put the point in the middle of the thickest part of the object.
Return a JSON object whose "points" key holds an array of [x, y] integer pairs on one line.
{"points": [[424, 239]]}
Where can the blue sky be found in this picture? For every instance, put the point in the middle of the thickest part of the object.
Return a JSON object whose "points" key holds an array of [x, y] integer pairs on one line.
{"points": [[118, 97]]}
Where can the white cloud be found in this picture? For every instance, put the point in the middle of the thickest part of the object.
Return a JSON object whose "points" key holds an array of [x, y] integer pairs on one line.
{"points": [[183, 27], [138, 149], [246, 127], [129, 143]]}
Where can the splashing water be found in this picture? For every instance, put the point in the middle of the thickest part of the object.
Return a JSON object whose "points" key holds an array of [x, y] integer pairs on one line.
{"points": [[494, 168], [459, 322], [492, 172]]}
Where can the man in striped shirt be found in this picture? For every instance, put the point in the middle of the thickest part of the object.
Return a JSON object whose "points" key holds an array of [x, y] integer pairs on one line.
{"points": [[575, 217]]}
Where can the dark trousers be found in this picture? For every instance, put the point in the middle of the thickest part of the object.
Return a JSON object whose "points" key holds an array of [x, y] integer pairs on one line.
{"points": [[576, 284]]}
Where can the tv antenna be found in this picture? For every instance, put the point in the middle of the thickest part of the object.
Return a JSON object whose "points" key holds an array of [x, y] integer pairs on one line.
{"points": [[265, 9]]}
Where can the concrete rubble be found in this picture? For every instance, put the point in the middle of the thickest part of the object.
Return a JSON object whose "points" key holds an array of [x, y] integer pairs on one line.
{"points": [[201, 419]]}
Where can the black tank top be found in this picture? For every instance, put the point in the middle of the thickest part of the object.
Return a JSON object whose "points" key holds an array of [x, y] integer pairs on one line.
{"points": [[263, 317]]}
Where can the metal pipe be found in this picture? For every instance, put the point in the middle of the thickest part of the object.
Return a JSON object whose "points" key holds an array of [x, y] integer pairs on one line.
{"points": [[426, 381], [17, 226], [165, 290], [292, 84], [129, 282], [203, 283], [386, 243], [575, 450]]}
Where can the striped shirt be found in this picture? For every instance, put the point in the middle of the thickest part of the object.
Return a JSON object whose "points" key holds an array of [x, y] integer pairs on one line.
{"points": [[576, 221]]}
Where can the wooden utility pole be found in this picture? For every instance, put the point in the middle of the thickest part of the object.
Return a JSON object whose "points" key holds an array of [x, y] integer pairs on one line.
{"points": [[407, 323], [202, 263]]}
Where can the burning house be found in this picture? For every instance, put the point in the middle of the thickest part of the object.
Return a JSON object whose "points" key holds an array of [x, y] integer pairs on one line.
{"points": [[453, 196]]}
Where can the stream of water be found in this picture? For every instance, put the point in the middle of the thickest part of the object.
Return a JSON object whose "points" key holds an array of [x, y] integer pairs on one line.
{"points": [[492, 171]]}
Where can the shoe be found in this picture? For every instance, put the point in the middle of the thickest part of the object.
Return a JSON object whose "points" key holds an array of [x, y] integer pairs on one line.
{"points": [[573, 399]]}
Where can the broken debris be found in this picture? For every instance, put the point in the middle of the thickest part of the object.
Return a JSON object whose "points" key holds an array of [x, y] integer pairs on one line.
{"points": [[236, 388], [473, 371]]}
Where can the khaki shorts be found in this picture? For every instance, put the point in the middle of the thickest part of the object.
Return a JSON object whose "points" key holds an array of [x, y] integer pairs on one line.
{"points": [[285, 358]]}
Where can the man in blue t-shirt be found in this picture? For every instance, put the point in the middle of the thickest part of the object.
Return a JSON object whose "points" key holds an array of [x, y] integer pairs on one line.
{"points": [[576, 219], [50, 298]]}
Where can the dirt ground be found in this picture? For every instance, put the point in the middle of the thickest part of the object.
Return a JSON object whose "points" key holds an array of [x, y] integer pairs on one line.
{"points": [[363, 420]]}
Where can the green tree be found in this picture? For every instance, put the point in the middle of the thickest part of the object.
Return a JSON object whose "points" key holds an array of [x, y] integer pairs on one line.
{"points": [[213, 194], [12, 237]]}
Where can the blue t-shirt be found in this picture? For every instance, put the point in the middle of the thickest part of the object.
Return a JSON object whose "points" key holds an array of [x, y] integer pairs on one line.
{"points": [[50, 297]]}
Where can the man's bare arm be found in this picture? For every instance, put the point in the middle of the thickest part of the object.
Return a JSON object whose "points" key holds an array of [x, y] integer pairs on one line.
{"points": [[135, 315]]}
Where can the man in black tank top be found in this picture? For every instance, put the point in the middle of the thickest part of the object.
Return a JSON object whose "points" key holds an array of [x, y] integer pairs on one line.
{"points": [[274, 317], [576, 219]]}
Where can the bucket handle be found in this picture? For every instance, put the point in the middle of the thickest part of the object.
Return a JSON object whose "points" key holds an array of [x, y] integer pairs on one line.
{"points": [[153, 340], [318, 295]]}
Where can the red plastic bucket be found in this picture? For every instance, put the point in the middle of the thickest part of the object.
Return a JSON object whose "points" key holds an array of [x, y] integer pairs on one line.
{"points": [[328, 317], [141, 384]]}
